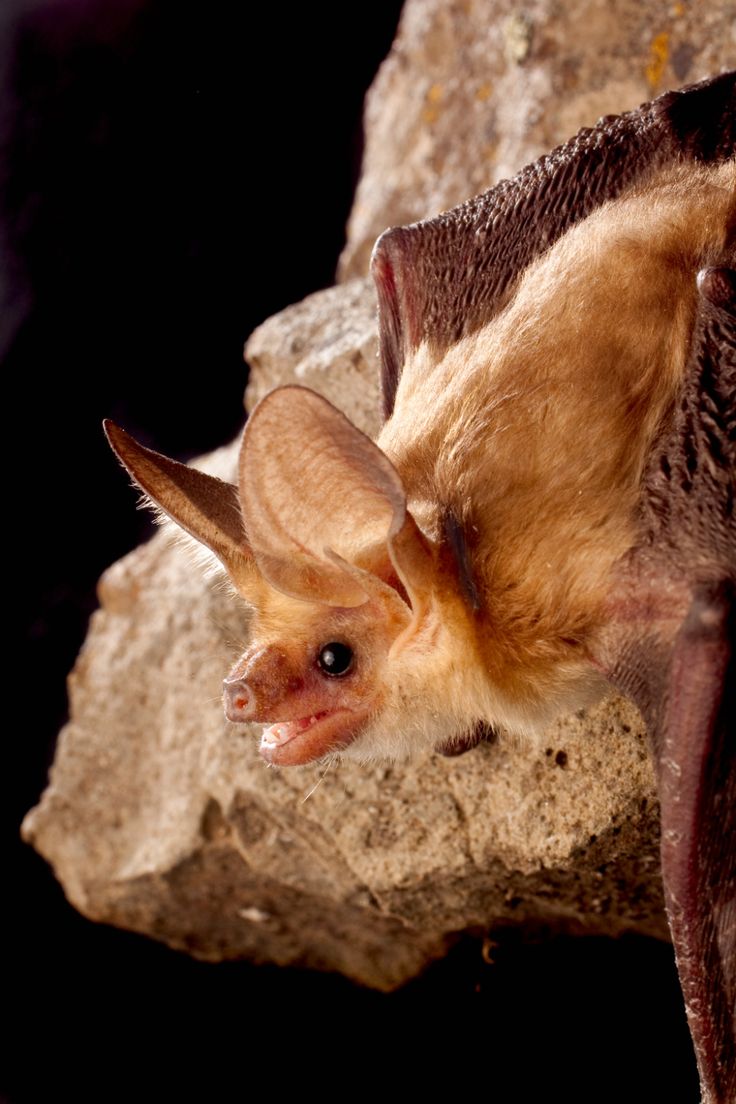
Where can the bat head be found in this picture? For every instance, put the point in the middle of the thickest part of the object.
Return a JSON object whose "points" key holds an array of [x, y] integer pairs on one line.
{"points": [[351, 650]]}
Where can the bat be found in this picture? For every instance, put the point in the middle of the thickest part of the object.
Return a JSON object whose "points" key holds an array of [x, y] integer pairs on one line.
{"points": [[546, 514]]}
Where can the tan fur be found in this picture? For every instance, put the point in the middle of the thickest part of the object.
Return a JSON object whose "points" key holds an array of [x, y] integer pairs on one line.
{"points": [[535, 429]]}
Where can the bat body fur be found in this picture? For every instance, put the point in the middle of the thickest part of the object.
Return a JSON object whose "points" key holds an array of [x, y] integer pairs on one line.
{"points": [[539, 442], [546, 513]]}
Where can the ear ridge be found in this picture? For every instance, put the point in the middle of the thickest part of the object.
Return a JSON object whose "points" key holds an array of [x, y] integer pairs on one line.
{"points": [[204, 506], [303, 577], [371, 582], [415, 563]]}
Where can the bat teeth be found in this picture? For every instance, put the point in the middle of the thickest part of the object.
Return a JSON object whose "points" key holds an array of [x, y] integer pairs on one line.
{"points": [[283, 731], [277, 734]]}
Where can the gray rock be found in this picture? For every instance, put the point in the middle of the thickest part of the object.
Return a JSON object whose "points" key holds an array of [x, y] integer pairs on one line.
{"points": [[161, 817], [328, 342]]}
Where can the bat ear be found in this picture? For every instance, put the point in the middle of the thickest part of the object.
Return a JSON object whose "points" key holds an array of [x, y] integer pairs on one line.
{"points": [[317, 496], [399, 323], [205, 507]]}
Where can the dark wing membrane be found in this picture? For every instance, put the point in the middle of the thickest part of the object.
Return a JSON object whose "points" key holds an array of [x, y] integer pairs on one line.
{"points": [[697, 792], [673, 650], [443, 278]]}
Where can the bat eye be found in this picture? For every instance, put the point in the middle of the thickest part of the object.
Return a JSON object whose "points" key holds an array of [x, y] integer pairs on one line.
{"points": [[335, 659]]}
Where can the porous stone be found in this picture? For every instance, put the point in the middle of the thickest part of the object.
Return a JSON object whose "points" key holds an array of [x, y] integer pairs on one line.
{"points": [[328, 342], [161, 817]]}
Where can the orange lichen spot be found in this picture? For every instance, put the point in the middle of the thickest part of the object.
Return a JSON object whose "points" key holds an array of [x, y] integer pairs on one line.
{"points": [[678, 10], [434, 95], [484, 92], [659, 52]]}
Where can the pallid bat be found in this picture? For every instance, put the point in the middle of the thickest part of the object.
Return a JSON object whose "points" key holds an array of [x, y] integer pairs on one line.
{"points": [[546, 513]]}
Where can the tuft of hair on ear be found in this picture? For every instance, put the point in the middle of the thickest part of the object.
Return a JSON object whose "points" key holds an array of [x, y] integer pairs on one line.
{"points": [[204, 507]]}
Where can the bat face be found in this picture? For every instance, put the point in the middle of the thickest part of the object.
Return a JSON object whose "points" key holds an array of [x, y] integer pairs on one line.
{"points": [[351, 682], [314, 674]]}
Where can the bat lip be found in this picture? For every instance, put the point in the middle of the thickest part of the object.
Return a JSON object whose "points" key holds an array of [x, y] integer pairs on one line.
{"points": [[325, 732]]}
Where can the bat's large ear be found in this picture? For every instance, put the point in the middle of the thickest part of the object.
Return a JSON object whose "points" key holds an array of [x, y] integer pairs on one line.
{"points": [[317, 495], [205, 507], [399, 323]]}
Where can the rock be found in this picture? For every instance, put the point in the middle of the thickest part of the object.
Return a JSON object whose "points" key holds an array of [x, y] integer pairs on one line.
{"points": [[160, 816], [469, 94], [327, 342]]}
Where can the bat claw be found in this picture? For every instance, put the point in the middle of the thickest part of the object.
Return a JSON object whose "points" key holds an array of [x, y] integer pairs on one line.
{"points": [[718, 286]]}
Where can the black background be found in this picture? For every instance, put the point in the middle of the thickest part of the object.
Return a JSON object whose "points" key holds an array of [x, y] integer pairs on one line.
{"points": [[171, 175]]}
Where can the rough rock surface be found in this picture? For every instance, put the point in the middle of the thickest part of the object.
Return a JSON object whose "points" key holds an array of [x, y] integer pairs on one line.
{"points": [[159, 815], [327, 342], [471, 92]]}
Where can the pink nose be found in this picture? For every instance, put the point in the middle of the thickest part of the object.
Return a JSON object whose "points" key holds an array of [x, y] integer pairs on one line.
{"points": [[238, 699]]}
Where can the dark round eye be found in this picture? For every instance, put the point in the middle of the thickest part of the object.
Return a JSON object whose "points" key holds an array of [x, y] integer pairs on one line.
{"points": [[335, 659]]}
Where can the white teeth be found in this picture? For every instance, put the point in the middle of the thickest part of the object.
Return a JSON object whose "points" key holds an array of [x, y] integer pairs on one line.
{"points": [[281, 733], [276, 734]]}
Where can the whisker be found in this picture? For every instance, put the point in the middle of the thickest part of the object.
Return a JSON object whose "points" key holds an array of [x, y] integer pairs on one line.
{"points": [[236, 643], [319, 780]]}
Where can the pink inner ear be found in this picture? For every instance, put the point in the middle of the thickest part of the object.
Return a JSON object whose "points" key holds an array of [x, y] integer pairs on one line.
{"points": [[375, 574], [310, 480], [310, 580]]}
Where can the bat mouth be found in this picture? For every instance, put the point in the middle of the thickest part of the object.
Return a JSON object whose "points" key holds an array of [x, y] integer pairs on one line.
{"points": [[291, 743]]}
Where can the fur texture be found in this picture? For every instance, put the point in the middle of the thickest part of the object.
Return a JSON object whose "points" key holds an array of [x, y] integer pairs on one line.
{"points": [[547, 417]]}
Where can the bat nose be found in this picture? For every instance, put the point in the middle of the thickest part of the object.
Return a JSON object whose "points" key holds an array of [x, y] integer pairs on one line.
{"points": [[238, 699]]}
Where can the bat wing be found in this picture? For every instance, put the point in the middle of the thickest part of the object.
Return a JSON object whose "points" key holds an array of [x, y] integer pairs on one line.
{"points": [[443, 278], [672, 648]]}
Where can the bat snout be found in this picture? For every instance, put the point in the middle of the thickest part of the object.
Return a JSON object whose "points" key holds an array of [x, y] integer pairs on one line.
{"points": [[238, 699]]}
